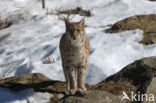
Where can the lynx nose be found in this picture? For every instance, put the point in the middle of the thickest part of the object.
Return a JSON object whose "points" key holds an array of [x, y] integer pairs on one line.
{"points": [[75, 37]]}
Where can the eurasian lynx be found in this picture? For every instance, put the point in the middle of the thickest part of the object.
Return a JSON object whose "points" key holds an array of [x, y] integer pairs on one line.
{"points": [[75, 49]]}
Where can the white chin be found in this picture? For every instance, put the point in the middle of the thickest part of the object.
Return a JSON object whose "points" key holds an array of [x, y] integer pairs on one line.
{"points": [[77, 42]]}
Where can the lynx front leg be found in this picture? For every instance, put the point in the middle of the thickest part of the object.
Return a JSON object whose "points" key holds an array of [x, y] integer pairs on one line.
{"points": [[66, 74], [73, 81], [81, 71]]}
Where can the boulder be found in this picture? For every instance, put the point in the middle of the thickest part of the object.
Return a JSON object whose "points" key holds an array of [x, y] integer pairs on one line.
{"points": [[139, 73], [37, 81], [145, 22]]}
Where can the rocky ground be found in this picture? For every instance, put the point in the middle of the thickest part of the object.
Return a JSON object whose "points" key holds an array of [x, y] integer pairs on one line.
{"points": [[138, 76]]}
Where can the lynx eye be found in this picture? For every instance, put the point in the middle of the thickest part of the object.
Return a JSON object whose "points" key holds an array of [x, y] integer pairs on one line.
{"points": [[79, 31], [72, 31]]}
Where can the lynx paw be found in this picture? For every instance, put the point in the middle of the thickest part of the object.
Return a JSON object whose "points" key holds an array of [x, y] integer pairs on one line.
{"points": [[81, 91], [66, 92], [72, 91]]}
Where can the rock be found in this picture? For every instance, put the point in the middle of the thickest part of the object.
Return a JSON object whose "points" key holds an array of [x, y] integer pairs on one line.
{"points": [[140, 74], [145, 22], [37, 81], [94, 96], [151, 89]]}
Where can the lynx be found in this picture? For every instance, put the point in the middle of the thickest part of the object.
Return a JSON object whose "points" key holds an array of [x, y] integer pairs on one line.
{"points": [[74, 49]]}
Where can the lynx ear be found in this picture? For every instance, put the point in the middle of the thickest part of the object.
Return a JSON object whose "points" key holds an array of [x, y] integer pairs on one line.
{"points": [[82, 22], [67, 23]]}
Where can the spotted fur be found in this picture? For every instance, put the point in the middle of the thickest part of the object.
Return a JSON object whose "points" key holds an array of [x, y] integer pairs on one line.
{"points": [[74, 49]]}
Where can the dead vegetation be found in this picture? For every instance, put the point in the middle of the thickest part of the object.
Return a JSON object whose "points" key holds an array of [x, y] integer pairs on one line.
{"points": [[4, 23], [48, 60], [101, 26], [115, 88], [74, 11]]}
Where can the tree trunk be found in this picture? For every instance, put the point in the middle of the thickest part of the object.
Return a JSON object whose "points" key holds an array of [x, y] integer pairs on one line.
{"points": [[43, 4]]}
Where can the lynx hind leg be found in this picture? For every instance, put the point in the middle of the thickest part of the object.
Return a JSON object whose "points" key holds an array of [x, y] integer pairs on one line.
{"points": [[81, 71]]}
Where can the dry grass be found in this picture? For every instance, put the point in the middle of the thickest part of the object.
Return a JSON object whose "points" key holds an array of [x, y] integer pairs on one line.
{"points": [[4, 23], [48, 60], [114, 88], [74, 11]]}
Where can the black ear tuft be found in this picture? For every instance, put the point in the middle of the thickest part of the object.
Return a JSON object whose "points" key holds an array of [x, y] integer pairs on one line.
{"points": [[67, 23], [82, 22]]}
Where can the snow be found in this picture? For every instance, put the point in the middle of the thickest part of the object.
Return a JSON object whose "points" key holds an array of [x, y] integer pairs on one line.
{"points": [[25, 96], [25, 44]]}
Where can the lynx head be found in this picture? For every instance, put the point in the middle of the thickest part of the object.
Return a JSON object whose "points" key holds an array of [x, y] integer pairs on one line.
{"points": [[75, 30]]}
